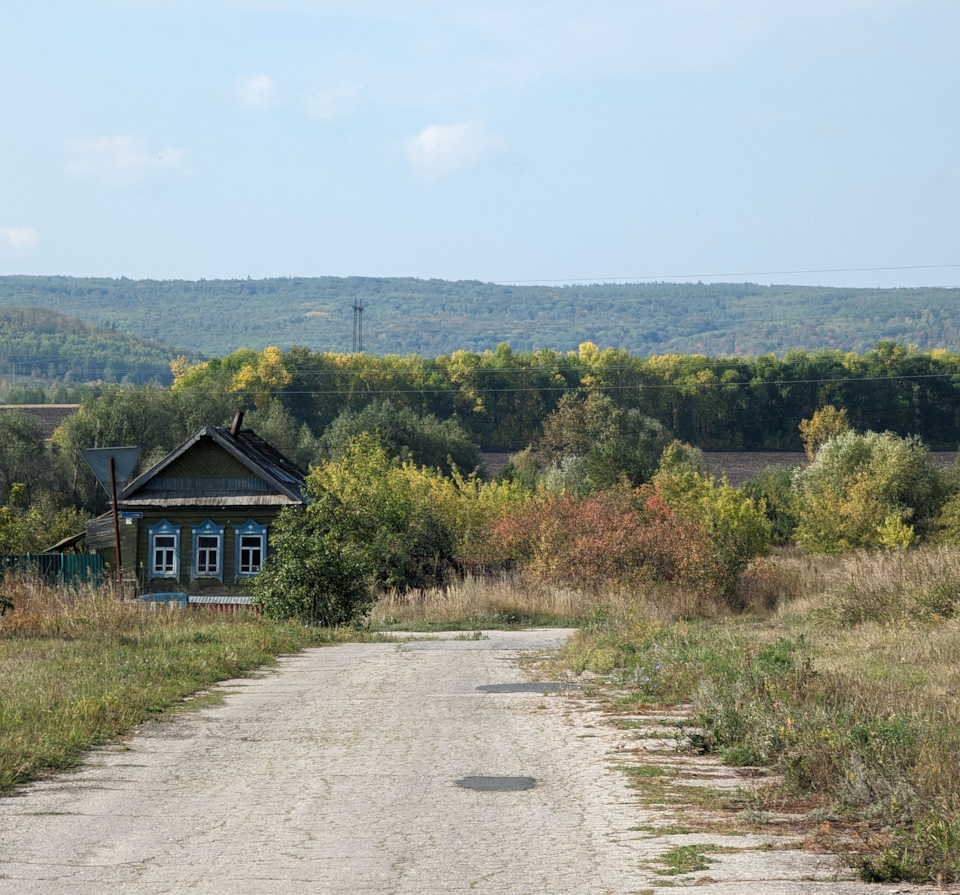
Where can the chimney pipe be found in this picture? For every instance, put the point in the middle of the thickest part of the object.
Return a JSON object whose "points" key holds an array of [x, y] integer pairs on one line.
{"points": [[237, 420]]}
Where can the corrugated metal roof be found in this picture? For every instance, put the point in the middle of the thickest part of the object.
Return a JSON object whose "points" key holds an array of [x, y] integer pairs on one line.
{"points": [[69, 541], [211, 600]]}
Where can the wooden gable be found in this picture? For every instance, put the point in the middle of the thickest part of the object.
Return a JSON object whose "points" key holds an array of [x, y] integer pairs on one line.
{"points": [[216, 468], [207, 459]]}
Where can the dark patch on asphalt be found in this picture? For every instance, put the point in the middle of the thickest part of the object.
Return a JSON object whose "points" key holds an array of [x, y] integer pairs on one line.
{"points": [[497, 784], [542, 687]]}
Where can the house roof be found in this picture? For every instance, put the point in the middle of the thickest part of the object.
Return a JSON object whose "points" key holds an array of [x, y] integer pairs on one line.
{"points": [[275, 480]]}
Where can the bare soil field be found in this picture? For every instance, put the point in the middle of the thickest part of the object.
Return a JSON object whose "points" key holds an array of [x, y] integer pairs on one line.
{"points": [[738, 466]]}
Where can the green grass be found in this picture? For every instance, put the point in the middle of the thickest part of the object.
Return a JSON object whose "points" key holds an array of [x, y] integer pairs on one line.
{"points": [[685, 859], [80, 670], [645, 770]]}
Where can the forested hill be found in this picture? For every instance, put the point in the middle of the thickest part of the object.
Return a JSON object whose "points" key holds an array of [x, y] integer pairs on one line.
{"points": [[433, 317], [39, 344]]}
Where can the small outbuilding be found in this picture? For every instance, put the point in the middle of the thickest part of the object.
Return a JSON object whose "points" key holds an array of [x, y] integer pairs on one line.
{"points": [[198, 522]]}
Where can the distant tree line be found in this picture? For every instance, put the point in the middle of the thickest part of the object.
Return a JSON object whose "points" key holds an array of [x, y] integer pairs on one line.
{"points": [[501, 398], [582, 421]]}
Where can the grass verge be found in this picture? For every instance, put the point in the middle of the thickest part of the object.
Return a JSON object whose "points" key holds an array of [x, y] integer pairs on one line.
{"points": [[79, 669], [848, 692]]}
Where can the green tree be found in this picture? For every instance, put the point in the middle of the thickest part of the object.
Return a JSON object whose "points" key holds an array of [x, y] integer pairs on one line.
{"points": [[421, 440], [372, 524], [35, 527], [772, 488], [280, 430], [523, 468], [826, 423], [388, 510], [315, 572], [860, 486], [737, 526], [23, 456], [144, 416], [613, 444]]}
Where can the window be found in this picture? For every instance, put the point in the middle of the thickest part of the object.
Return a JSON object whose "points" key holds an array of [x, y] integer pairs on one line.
{"points": [[208, 555], [164, 550], [251, 548], [208, 551]]}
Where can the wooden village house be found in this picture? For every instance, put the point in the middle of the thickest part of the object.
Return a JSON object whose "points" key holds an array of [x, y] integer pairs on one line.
{"points": [[197, 523]]}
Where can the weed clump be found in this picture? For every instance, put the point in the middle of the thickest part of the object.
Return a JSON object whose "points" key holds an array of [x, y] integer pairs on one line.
{"points": [[919, 586]]}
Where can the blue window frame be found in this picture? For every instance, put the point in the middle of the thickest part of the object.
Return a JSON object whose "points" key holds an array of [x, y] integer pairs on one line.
{"points": [[164, 546], [207, 551], [251, 548]]}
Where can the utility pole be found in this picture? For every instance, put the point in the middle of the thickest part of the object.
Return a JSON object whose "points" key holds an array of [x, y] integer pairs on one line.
{"points": [[111, 465], [116, 524], [358, 325]]}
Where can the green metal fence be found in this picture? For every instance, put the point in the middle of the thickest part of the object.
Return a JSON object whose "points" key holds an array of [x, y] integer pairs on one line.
{"points": [[60, 568]]}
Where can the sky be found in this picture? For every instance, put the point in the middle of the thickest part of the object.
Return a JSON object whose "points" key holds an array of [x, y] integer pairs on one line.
{"points": [[771, 141]]}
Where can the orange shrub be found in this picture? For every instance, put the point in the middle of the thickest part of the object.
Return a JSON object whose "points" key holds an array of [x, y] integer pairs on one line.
{"points": [[611, 539]]}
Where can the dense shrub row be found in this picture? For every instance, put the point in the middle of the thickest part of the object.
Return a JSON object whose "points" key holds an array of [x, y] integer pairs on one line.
{"points": [[376, 523]]}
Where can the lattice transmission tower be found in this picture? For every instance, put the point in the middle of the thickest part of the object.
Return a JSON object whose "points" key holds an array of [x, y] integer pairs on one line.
{"points": [[358, 326]]}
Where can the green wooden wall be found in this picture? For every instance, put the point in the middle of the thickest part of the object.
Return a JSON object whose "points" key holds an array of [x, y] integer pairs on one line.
{"points": [[134, 546]]}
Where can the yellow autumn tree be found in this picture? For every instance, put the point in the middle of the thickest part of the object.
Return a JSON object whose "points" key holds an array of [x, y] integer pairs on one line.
{"points": [[826, 423], [262, 379]]}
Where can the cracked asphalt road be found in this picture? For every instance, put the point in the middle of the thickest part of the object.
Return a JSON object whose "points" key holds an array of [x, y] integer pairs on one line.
{"points": [[338, 774]]}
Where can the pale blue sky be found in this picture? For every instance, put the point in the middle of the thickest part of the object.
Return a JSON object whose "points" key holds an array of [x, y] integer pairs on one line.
{"points": [[498, 139]]}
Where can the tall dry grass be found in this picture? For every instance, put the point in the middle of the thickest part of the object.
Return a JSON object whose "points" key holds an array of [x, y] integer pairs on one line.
{"points": [[514, 599], [478, 602], [847, 687], [43, 608]]}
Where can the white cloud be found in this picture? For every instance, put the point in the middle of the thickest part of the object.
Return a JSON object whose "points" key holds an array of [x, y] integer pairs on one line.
{"points": [[256, 92], [331, 102], [442, 149], [21, 237], [121, 161]]}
